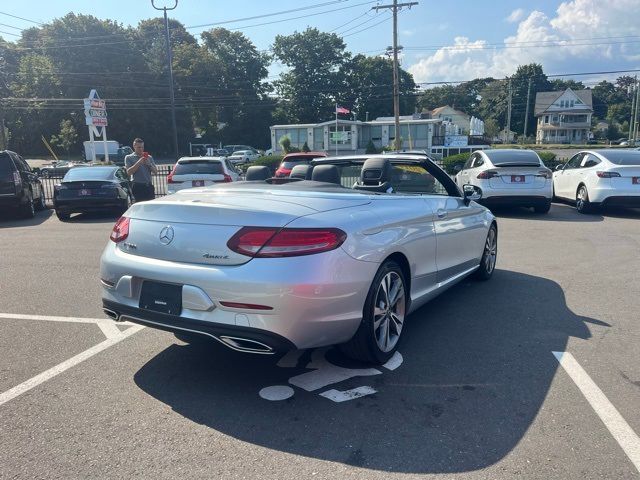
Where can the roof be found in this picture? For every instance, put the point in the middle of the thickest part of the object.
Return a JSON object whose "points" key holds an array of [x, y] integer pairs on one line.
{"points": [[545, 99], [436, 111]]}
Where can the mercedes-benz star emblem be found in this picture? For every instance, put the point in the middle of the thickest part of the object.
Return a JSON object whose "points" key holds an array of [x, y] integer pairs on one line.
{"points": [[166, 235]]}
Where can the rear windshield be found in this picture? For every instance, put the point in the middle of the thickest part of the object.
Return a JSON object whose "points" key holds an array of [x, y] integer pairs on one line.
{"points": [[6, 165], [513, 157], [290, 163], [190, 168], [623, 158], [89, 173]]}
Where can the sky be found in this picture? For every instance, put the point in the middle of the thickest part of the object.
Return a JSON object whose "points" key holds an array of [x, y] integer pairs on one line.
{"points": [[448, 41]]}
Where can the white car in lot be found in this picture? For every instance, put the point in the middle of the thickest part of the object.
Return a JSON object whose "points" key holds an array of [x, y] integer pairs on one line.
{"points": [[190, 172], [509, 177], [242, 156], [594, 178]]}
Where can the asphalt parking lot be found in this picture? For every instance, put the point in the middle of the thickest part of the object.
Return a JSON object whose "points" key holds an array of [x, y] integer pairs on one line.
{"points": [[477, 391]]}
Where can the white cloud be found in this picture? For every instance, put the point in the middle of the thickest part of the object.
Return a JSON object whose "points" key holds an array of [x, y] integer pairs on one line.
{"points": [[568, 33], [515, 16]]}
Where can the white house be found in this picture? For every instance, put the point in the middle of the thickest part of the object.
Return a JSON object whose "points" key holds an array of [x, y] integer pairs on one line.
{"points": [[563, 117]]}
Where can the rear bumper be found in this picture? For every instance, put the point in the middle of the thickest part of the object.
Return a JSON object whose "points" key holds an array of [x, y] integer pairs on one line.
{"points": [[88, 204], [232, 336], [515, 201], [622, 201]]}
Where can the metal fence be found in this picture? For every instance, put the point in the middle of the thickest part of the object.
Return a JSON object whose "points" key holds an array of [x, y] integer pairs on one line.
{"points": [[159, 182]]}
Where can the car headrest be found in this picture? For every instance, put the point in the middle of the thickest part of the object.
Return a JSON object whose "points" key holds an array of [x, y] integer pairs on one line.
{"points": [[326, 173], [301, 171], [375, 175], [258, 172]]}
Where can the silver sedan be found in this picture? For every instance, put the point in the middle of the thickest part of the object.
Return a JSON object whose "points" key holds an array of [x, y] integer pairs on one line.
{"points": [[339, 253]]}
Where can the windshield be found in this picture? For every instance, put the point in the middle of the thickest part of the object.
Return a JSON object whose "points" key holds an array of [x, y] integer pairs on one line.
{"points": [[89, 173], [513, 157], [190, 168], [6, 165], [623, 157], [289, 164]]}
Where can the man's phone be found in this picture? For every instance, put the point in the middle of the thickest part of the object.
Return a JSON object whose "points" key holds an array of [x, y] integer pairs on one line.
{"points": [[145, 155]]}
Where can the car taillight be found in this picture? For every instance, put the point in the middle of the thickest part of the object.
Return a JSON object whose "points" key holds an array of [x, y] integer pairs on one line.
{"points": [[120, 230], [170, 177], [264, 242], [607, 174], [545, 173], [227, 178], [487, 174]]}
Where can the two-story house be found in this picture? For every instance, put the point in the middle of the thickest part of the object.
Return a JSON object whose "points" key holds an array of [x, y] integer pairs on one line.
{"points": [[563, 117]]}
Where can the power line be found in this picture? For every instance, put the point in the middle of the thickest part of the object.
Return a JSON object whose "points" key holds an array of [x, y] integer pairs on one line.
{"points": [[21, 18]]}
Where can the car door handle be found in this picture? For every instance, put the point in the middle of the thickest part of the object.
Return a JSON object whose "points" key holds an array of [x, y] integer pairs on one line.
{"points": [[441, 213]]}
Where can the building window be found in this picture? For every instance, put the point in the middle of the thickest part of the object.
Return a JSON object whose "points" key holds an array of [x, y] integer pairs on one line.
{"points": [[571, 103], [340, 135], [376, 133]]}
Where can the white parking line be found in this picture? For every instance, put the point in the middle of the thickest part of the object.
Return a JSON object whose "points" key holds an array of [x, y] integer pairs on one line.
{"points": [[615, 423], [49, 318], [67, 364]]}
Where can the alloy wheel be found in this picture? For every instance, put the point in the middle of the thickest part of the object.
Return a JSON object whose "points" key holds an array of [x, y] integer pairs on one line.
{"points": [[389, 311], [490, 251]]}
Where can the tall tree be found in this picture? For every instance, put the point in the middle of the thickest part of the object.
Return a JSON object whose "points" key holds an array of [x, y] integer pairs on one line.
{"points": [[311, 86], [368, 87], [520, 86]]}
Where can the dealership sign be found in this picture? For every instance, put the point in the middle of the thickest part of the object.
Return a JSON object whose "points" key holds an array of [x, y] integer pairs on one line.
{"points": [[95, 110]]}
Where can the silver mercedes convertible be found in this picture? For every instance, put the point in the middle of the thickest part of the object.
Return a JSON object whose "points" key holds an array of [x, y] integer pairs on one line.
{"points": [[340, 252]]}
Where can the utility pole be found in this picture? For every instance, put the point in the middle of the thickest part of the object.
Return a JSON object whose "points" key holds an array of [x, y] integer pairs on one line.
{"points": [[526, 115], [396, 88], [633, 107], [508, 132], [170, 62]]}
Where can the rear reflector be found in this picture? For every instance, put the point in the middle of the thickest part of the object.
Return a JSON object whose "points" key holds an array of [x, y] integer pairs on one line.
{"points": [[120, 230], [249, 306], [607, 174], [261, 242]]}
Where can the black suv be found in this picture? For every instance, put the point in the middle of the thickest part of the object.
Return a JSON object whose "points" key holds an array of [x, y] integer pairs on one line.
{"points": [[20, 187]]}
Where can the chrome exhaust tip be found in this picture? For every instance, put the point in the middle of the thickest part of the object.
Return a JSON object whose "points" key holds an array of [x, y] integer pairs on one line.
{"points": [[246, 345], [111, 314]]}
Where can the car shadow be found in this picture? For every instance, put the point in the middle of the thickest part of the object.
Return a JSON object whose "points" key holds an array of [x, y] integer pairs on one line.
{"points": [[559, 212], [93, 217], [9, 220], [477, 369]]}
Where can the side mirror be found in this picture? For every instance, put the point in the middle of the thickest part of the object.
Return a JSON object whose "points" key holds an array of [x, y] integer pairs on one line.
{"points": [[559, 167], [457, 167], [471, 192]]}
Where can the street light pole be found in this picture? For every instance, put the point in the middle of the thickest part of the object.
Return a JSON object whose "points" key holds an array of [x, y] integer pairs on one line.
{"points": [[170, 62]]}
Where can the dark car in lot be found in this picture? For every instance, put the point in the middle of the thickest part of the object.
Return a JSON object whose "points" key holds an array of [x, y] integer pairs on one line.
{"points": [[57, 169], [89, 189], [20, 188]]}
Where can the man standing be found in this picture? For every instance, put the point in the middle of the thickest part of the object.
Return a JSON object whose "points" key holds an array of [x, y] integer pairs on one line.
{"points": [[140, 167]]}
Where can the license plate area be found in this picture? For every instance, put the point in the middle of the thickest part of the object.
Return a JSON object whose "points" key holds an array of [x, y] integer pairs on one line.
{"points": [[517, 179], [197, 183], [635, 180], [161, 297], [85, 193]]}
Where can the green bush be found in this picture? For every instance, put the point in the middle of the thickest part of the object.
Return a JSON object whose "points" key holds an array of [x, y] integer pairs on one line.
{"points": [[305, 147], [271, 161], [371, 148], [549, 159], [451, 161]]}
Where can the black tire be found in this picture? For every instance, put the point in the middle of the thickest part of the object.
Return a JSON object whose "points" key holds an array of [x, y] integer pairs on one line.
{"points": [[583, 205], [42, 204], [543, 208], [62, 216], [366, 343], [489, 255], [28, 210]]}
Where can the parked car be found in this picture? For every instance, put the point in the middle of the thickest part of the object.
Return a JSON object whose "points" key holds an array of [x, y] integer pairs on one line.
{"points": [[20, 188], [290, 160], [89, 189], [509, 177], [263, 266], [191, 172], [58, 168], [234, 148], [594, 178], [242, 156]]}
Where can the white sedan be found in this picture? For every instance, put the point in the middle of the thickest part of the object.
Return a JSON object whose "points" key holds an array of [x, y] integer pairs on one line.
{"points": [[595, 178], [509, 177], [242, 156], [190, 172]]}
